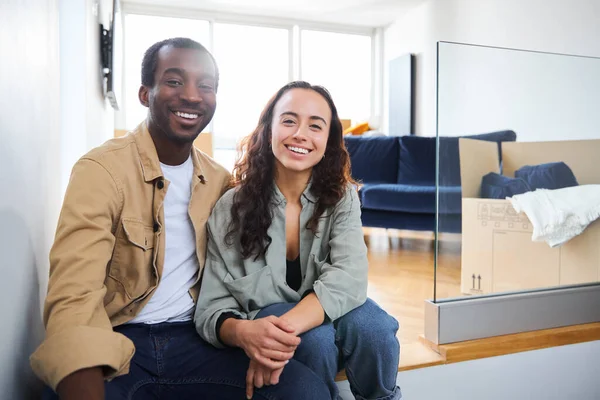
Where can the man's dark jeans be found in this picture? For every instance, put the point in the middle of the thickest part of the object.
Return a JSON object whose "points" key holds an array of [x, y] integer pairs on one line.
{"points": [[171, 361]]}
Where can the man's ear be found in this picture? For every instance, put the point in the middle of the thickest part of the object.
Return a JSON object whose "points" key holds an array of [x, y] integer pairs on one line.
{"points": [[143, 95]]}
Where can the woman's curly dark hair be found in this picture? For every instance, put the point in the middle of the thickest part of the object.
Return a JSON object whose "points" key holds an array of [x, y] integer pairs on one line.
{"points": [[254, 177]]}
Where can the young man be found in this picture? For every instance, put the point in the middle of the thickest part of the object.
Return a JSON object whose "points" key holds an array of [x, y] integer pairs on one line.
{"points": [[127, 259]]}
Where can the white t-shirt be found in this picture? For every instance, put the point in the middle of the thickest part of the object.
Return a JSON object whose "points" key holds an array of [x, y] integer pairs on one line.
{"points": [[171, 302]]}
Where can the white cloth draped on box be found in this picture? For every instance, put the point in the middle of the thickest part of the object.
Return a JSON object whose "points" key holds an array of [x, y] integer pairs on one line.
{"points": [[559, 215]]}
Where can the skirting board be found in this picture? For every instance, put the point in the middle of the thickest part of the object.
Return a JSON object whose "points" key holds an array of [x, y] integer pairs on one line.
{"points": [[461, 319]]}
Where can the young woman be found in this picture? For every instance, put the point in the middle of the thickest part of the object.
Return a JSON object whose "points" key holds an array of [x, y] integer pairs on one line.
{"points": [[286, 267]]}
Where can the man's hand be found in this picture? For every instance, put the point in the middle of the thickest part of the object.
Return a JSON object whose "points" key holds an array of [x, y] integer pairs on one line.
{"points": [[258, 376], [83, 384], [270, 341]]}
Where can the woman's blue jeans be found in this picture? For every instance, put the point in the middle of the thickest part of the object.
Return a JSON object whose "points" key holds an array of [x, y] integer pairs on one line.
{"points": [[363, 342]]}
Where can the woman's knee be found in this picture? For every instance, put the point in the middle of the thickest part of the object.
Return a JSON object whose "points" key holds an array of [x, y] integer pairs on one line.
{"points": [[298, 382], [319, 352], [369, 316], [367, 325], [319, 342]]}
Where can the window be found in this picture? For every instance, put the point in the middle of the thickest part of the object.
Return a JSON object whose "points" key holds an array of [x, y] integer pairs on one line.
{"points": [[141, 32], [253, 64], [341, 63]]}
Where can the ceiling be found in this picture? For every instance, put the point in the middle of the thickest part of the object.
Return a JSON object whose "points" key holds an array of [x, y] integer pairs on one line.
{"points": [[365, 13]]}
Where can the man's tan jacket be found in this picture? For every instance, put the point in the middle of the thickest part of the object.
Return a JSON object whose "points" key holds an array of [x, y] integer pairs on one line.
{"points": [[107, 257]]}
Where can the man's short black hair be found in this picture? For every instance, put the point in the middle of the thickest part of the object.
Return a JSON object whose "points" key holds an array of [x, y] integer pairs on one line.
{"points": [[150, 60]]}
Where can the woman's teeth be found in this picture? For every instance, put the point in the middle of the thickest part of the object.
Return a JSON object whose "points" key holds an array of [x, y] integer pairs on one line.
{"points": [[298, 150]]}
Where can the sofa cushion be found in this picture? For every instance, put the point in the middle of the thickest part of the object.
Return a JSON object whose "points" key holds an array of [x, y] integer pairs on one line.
{"points": [[417, 160], [555, 175], [411, 221], [374, 158], [417, 157], [410, 198], [496, 186]]}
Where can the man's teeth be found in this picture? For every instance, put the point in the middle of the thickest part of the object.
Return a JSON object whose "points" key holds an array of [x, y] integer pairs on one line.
{"points": [[186, 115], [298, 150]]}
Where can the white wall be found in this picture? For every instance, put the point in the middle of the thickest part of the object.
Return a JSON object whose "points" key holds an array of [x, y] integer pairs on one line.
{"points": [[72, 90], [558, 373], [541, 96], [99, 113], [570, 27], [87, 119], [51, 113], [30, 189]]}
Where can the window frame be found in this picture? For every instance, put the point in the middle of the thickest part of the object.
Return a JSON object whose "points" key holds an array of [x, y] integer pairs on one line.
{"points": [[295, 28]]}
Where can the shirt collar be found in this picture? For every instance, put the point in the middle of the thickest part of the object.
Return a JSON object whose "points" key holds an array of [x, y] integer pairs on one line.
{"points": [[149, 157], [307, 194]]}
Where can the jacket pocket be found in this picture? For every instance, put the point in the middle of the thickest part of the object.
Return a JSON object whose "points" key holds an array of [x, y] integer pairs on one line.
{"points": [[319, 261], [253, 291], [132, 265]]}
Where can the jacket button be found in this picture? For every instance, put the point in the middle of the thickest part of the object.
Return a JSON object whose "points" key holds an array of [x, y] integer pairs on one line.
{"points": [[160, 184], [155, 227]]}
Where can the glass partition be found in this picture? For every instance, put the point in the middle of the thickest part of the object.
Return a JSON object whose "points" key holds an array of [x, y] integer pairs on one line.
{"points": [[518, 133]]}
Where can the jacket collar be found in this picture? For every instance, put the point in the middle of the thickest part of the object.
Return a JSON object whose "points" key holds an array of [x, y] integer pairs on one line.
{"points": [[149, 157], [307, 194]]}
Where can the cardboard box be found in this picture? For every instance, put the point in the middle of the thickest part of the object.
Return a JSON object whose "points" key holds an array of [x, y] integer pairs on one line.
{"points": [[498, 254], [204, 142], [346, 123]]}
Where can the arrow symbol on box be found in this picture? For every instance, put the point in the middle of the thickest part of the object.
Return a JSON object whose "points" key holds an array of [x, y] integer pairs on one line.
{"points": [[479, 278]]}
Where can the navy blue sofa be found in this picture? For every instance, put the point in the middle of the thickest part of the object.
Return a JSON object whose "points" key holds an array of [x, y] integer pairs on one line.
{"points": [[397, 174]]}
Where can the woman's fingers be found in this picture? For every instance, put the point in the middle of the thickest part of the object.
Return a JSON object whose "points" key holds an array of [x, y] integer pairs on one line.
{"points": [[278, 355], [250, 381], [282, 324], [266, 376], [258, 379], [283, 337], [269, 363], [275, 376], [275, 345]]}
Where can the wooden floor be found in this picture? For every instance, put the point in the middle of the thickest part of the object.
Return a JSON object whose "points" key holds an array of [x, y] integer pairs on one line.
{"points": [[401, 279], [401, 275]]}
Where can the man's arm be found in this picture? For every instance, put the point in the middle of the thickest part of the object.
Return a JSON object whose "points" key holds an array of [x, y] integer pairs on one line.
{"points": [[86, 383], [79, 334]]}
